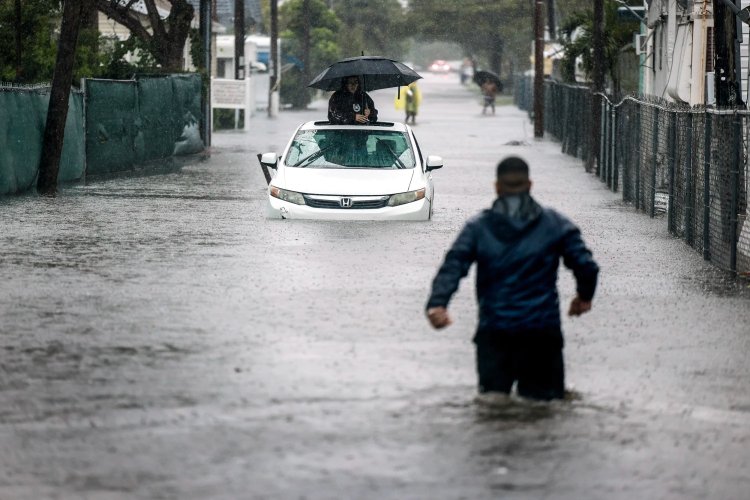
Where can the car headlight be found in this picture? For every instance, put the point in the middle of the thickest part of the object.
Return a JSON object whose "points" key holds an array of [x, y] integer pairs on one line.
{"points": [[290, 196], [404, 198]]}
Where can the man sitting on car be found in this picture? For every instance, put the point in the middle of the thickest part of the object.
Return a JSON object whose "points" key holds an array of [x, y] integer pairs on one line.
{"points": [[349, 105]]}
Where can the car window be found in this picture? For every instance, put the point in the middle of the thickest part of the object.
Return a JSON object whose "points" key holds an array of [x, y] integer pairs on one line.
{"points": [[350, 148]]}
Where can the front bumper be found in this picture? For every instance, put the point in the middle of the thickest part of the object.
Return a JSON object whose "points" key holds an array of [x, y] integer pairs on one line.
{"points": [[279, 209]]}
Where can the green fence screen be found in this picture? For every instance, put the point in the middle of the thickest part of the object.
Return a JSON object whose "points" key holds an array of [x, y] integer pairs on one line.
{"points": [[136, 123], [23, 115]]}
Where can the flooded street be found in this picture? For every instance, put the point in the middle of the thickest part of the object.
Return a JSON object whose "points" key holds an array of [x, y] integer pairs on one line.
{"points": [[161, 339]]}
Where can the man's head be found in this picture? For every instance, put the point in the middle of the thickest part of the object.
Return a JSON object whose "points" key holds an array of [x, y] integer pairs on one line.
{"points": [[512, 176], [351, 83]]}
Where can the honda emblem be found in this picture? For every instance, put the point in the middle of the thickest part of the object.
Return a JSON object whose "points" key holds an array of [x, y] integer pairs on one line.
{"points": [[345, 202]]}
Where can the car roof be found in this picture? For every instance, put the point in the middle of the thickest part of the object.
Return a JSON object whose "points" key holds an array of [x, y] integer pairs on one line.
{"points": [[317, 125]]}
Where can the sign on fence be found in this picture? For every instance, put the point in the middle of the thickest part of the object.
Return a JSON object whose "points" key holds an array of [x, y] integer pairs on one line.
{"points": [[232, 94]]}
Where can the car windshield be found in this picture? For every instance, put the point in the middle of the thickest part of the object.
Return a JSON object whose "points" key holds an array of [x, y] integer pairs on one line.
{"points": [[350, 148]]}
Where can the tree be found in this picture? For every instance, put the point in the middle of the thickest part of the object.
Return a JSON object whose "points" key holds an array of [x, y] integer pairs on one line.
{"points": [[577, 37], [375, 28], [498, 32], [57, 112], [164, 38], [27, 40], [306, 23]]}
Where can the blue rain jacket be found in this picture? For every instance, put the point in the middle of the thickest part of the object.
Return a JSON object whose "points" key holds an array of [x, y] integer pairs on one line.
{"points": [[517, 245]]}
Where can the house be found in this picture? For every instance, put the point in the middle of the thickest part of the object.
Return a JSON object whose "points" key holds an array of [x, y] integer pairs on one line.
{"points": [[223, 17], [676, 47]]}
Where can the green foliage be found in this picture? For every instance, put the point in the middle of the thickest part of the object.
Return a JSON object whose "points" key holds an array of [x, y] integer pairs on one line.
{"points": [[38, 29], [375, 27], [115, 55], [196, 49], [324, 49], [577, 36], [224, 119], [492, 31]]}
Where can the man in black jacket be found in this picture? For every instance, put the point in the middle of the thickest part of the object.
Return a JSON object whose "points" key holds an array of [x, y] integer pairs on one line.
{"points": [[351, 106], [517, 245]]}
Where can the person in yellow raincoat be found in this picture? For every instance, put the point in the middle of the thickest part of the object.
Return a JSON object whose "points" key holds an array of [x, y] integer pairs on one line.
{"points": [[409, 100]]}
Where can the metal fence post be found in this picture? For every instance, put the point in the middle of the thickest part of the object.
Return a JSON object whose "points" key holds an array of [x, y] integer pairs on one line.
{"points": [[689, 185], [602, 131], [638, 163], [672, 162], [707, 188], [605, 145], [734, 187], [613, 150], [655, 146]]}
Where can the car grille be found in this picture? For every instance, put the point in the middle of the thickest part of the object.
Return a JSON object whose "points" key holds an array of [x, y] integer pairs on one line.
{"points": [[357, 202]]}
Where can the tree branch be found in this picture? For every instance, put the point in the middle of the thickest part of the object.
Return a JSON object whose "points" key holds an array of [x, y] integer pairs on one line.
{"points": [[123, 15]]}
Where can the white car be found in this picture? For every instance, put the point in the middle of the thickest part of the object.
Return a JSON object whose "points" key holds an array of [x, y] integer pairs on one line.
{"points": [[351, 172]]}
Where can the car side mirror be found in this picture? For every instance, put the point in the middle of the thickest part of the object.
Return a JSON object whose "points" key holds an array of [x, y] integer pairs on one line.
{"points": [[269, 160], [434, 162]]}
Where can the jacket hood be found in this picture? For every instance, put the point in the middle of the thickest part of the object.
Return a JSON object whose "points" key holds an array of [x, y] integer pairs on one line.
{"points": [[511, 216]]}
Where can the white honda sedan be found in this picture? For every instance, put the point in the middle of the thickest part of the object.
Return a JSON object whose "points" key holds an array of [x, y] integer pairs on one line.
{"points": [[351, 172]]}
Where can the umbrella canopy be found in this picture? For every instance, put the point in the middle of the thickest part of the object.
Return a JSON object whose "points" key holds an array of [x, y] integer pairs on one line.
{"points": [[376, 72], [482, 76]]}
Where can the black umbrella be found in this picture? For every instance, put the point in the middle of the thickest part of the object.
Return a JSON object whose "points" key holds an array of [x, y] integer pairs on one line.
{"points": [[483, 76], [376, 73]]}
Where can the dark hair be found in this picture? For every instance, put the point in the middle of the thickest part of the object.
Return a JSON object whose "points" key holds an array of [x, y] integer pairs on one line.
{"points": [[512, 165], [346, 79]]}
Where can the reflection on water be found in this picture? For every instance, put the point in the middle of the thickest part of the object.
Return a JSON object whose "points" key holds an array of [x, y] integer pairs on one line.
{"points": [[494, 406]]}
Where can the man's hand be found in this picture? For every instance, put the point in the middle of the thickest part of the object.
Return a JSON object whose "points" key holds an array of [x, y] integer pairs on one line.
{"points": [[578, 307], [439, 317], [362, 118]]}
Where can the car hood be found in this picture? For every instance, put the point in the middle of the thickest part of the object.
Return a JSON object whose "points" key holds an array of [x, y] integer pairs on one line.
{"points": [[341, 181]]}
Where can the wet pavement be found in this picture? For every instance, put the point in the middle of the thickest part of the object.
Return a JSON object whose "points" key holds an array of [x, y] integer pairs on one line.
{"points": [[159, 338]]}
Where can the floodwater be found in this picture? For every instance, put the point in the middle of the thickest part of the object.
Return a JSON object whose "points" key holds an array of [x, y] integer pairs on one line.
{"points": [[160, 338]]}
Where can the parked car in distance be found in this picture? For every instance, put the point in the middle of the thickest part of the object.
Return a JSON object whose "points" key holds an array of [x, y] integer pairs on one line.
{"points": [[440, 66], [351, 172]]}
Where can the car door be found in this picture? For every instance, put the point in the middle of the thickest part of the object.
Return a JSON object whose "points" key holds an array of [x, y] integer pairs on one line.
{"points": [[422, 161]]}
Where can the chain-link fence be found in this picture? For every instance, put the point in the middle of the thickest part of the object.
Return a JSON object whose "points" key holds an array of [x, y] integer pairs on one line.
{"points": [[689, 165]]}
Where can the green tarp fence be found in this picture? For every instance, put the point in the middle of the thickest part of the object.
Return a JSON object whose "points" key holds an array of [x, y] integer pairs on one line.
{"points": [[23, 115], [131, 124], [123, 125]]}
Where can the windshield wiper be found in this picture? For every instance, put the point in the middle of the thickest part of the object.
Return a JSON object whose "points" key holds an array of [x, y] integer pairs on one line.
{"points": [[399, 163], [311, 158]]}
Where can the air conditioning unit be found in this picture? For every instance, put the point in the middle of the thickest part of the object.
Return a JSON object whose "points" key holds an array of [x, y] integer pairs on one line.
{"points": [[640, 43]]}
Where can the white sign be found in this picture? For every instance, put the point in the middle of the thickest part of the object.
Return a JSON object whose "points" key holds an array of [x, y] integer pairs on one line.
{"points": [[227, 93], [233, 94]]}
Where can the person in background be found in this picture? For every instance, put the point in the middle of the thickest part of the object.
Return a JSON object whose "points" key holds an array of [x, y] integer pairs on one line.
{"points": [[409, 98], [350, 105], [467, 70], [517, 245], [489, 91]]}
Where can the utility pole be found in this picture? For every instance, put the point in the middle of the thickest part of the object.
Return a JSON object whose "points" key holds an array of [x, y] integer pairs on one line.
{"points": [[239, 39], [726, 62], [205, 33], [538, 68], [273, 91], [551, 22], [598, 85]]}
